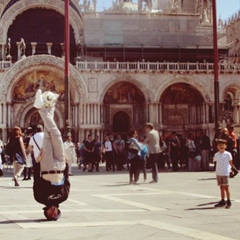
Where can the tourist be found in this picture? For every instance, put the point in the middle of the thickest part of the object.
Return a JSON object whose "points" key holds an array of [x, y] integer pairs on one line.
{"points": [[28, 167], [51, 182], [152, 140], [18, 153], [134, 148], [224, 162], [109, 151], [70, 151]]}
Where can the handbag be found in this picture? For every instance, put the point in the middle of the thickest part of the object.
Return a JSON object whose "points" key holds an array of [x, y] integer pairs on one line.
{"points": [[19, 158], [233, 172], [133, 148]]}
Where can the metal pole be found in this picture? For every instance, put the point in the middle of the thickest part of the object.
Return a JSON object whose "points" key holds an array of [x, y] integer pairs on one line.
{"points": [[216, 66], [67, 56]]}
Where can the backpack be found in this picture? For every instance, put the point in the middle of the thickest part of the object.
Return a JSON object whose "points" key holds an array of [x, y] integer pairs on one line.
{"points": [[143, 152]]}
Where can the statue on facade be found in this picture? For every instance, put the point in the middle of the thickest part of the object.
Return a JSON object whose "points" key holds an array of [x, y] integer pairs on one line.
{"points": [[204, 8], [23, 47], [8, 50], [175, 6], [79, 48], [147, 5], [95, 5], [89, 7]]}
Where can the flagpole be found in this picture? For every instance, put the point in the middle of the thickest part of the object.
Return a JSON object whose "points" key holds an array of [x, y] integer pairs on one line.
{"points": [[67, 56], [216, 66]]}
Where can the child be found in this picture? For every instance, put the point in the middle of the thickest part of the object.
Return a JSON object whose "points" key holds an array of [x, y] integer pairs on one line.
{"points": [[224, 163]]}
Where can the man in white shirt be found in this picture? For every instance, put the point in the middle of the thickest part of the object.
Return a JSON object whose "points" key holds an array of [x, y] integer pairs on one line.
{"points": [[36, 141], [70, 151]]}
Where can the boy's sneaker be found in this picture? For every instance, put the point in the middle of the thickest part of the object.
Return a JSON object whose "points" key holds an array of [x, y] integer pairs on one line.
{"points": [[50, 98], [222, 203], [229, 204], [39, 101]]}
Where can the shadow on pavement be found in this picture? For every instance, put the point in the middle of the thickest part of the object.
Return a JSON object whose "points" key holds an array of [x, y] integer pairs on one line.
{"points": [[201, 206], [23, 221], [203, 179]]}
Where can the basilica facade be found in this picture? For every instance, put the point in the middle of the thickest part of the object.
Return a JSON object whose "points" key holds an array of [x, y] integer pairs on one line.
{"points": [[130, 64]]}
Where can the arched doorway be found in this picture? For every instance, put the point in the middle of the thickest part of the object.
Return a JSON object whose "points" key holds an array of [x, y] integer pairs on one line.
{"points": [[121, 122], [49, 28], [123, 108], [183, 108]]}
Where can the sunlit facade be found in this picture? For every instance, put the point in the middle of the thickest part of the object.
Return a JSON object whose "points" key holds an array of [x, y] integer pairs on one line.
{"points": [[131, 64]]}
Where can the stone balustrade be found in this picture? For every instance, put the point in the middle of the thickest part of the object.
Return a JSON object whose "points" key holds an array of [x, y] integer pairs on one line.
{"points": [[149, 66], [5, 64], [157, 66]]}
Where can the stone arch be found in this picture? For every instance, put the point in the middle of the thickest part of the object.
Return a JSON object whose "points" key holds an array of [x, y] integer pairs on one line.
{"points": [[230, 96], [27, 109], [183, 106], [233, 90], [128, 79], [194, 82], [23, 5], [46, 62]]}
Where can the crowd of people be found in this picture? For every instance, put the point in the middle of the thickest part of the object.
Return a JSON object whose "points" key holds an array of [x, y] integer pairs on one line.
{"points": [[43, 153], [171, 152]]}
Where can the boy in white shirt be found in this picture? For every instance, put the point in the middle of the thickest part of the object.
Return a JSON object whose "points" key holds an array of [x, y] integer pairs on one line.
{"points": [[224, 163]]}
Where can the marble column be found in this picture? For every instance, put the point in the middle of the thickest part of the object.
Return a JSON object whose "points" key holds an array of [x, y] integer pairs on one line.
{"points": [[160, 113], [49, 48], [204, 112], [34, 45], [95, 113], [18, 50], [63, 49], [9, 114], [88, 113], [4, 113], [235, 113], [1, 113], [207, 113], [101, 114]]}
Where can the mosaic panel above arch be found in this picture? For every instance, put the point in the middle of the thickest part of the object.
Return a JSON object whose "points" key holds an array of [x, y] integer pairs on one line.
{"points": [[181, 93], [33, 68], [43, 79], [123, 92]]}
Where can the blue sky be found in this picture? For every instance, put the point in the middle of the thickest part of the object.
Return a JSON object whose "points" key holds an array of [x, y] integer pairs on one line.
{"points": [[225, 8]]}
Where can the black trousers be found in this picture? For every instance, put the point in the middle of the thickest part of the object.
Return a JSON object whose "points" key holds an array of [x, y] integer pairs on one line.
{"points": [[109, 161], [134, 169], [153, 159], [143, 167]]}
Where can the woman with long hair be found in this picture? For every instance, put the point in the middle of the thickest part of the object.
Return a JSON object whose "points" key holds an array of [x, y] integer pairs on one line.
{"points": [[133, 156], [17, 147]]}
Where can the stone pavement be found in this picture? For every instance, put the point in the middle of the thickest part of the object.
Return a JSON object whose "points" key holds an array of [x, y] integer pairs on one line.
{"points": [[103, 206]]}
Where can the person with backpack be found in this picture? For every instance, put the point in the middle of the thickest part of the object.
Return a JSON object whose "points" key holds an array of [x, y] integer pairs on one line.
{"points": [[134, 148]]}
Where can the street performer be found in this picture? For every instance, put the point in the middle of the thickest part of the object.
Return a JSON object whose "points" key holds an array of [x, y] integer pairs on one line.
{"points": [[51, 183]]}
